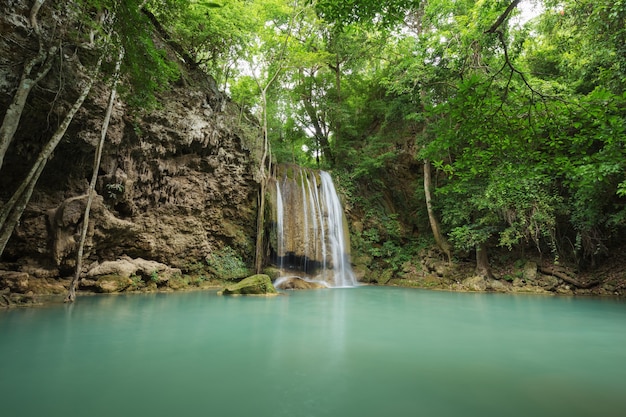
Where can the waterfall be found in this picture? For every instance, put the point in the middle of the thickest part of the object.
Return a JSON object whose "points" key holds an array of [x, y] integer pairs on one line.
{"points": [[342, 271], [311, 239]]}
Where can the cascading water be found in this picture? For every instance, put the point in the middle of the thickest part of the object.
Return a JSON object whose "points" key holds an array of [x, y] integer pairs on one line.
{"points": [[342, 271], [311, 239]]}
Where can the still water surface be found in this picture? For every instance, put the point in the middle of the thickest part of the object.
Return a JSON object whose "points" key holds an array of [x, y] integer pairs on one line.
{"points": [[338, 352]]}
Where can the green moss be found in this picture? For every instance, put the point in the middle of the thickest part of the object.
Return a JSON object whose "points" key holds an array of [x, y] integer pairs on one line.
{"points": [[177, 282], [385, 276], [137, 282], [272, 272], [113, 283], [256, 284], [227, 264]]}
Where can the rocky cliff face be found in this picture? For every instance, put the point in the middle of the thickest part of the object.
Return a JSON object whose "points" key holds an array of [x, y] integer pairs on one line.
{"points": [[176, 184]]}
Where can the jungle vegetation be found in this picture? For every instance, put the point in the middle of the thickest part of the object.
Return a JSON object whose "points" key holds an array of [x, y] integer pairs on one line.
{"points": [[475, 125]]}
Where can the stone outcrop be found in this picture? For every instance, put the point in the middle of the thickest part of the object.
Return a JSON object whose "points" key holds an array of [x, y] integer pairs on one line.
{"points": [[128, 267], [479, 283], [21, 288]]}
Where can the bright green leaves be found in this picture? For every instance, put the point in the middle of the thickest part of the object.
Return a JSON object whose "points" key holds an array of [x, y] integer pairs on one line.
{"points": [[582, 43], [382, 12], [125, 25], [525, 126], [213, 34]]}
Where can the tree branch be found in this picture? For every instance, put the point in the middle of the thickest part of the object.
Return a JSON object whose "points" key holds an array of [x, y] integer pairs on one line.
{"points": [[189, 60], [503, 17]]}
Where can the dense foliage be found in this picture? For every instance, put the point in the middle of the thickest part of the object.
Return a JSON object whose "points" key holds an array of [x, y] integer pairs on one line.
{"points": [[519, 105]]}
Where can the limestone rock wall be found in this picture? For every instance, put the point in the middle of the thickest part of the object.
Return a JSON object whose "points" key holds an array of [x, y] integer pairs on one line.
{"points": [[175, 183]]}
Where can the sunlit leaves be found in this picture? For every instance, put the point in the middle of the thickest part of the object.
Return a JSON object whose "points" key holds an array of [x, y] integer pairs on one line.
{"points": [[383, 12]]}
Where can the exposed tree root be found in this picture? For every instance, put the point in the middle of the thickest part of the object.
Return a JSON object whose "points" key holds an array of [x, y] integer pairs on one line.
{"points": [[566, 276]]}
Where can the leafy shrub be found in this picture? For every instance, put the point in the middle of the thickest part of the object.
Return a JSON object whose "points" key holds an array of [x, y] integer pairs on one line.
{"points": [[227, 264]]}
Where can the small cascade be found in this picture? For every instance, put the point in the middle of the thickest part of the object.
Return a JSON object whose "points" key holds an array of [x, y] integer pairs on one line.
{"points": [[342, 271], [309, 236]]}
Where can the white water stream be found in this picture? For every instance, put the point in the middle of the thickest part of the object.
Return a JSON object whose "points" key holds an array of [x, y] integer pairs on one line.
{"points": [[314, 228]]}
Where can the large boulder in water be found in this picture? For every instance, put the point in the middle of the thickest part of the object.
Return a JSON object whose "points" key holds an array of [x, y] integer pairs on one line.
{"points": [[295, 283], [254, 285]]}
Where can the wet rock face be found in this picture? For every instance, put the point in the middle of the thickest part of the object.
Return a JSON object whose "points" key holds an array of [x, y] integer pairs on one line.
{"points": [[174, 185], [184, 177]]}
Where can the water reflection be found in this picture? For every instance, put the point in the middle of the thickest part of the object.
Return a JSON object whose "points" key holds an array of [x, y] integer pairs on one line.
{"points": [[349, 352]]}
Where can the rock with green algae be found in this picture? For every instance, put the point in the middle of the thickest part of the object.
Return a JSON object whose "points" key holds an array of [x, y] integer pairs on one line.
{"points": [[112, 283], [259, 284], [272, 272]]}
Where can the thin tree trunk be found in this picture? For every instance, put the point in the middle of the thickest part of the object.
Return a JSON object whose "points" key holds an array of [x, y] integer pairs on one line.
{"points": [[338, 120], [44, 59], [13, 216], [441, 241], [258, 257], [483, 268], [12, 211], [71, 295], [320, 136], [260, 226]]}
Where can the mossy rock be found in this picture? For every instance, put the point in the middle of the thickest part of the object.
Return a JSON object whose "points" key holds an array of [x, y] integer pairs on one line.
{"points": [[112, 283], [254, 285], [272, 272], [475, 283], [385, 276], [178, 282]]}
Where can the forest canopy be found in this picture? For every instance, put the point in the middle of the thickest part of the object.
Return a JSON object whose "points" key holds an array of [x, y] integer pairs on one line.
{"points": [[519, 106]]}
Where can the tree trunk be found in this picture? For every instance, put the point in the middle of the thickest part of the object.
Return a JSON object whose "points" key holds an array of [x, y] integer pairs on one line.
{"points": [[441, 241], [260, 227], [320, 136], [338, 120], [260, 221], [13, 214], [483, 268], [71, 295], [260, 230], [12, 211]]}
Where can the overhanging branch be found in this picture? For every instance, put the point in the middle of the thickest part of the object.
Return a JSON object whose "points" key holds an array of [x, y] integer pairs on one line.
{"points": [[503, 17]]}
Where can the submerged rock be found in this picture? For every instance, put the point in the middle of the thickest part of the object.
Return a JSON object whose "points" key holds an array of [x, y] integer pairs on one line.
{"points": [[254, 285]]}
